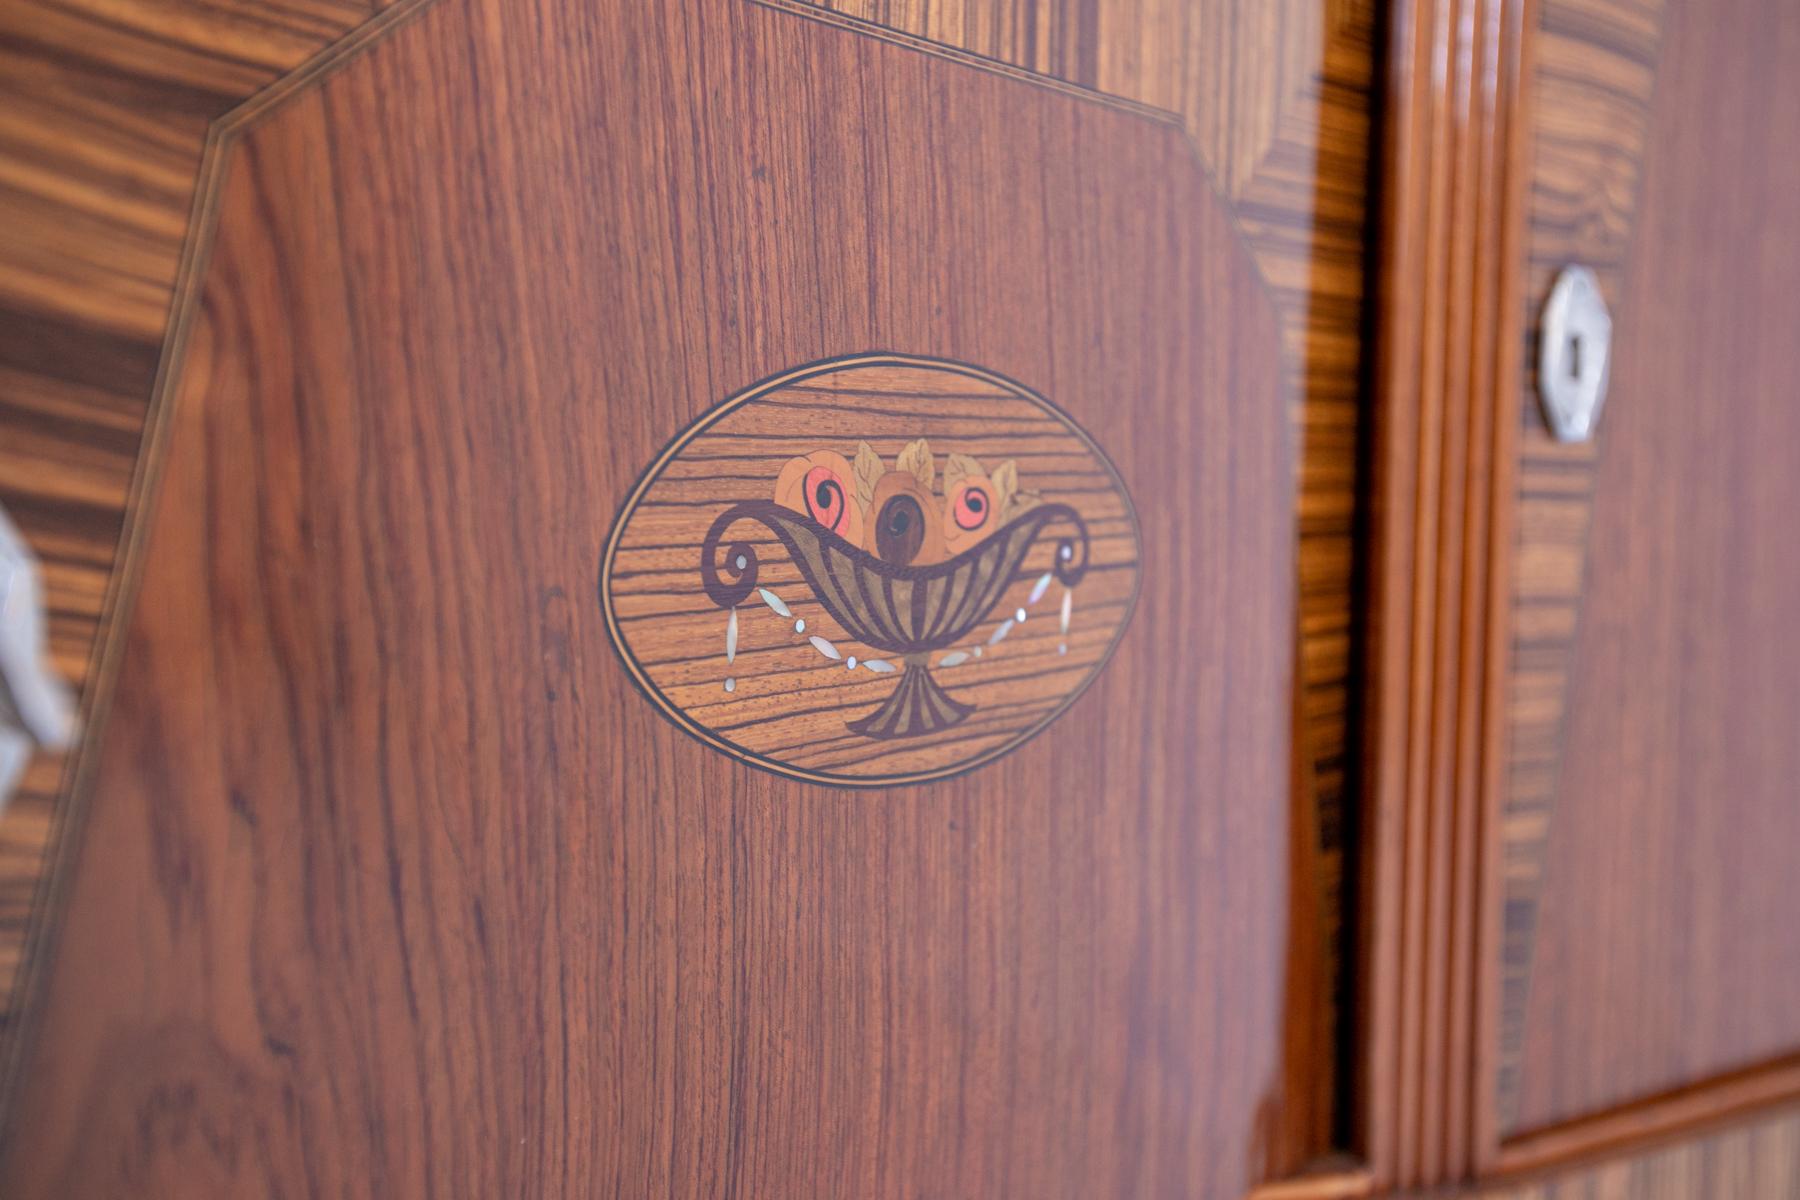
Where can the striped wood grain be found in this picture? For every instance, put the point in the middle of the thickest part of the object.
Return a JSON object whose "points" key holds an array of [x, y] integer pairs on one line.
{"points": [[1446, 377]]}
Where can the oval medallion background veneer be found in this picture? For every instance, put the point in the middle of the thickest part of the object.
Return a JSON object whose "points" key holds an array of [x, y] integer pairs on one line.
{"points": [[770, 588]]}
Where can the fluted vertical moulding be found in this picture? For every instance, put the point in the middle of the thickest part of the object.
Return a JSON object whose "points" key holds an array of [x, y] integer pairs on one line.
{"points": [[1447, 372]]}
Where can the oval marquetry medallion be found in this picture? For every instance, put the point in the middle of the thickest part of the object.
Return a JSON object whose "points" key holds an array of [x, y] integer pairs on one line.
{"points": [[873, 570]]}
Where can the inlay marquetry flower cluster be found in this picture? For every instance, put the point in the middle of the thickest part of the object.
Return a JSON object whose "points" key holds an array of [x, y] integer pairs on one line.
{"points": [[896, 513]]}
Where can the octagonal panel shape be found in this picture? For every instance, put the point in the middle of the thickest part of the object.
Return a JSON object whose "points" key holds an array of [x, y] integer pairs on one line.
{"points": [[422, 891]]}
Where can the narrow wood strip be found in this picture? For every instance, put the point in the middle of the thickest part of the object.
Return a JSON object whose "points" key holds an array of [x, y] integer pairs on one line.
{"points": [[1514, 59], [1760, 1158], [1337, 1185], [1670, 1115], [1446, 383]]}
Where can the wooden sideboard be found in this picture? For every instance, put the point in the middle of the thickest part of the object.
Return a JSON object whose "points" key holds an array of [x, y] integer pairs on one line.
{"points": [[476, 454]]}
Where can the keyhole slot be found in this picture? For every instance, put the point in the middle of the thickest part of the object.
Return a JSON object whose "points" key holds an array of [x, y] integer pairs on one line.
{"points": [[1572, 351]]}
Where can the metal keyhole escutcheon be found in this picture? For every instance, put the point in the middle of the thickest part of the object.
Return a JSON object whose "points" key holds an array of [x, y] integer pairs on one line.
{"points": [[1574, 349]]}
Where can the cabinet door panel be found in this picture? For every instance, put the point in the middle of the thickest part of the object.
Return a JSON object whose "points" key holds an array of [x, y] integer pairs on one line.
{"points": [[1584, 683], [390, 879], [1666, 949]]}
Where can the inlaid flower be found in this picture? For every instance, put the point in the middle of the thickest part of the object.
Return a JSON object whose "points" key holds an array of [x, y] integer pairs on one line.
{"points": [[907, 520], [975, 502], [822, 486], [970, 512]]}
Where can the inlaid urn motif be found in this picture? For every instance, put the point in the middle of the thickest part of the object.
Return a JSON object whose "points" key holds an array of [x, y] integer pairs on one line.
{"points": [[872, 571]]}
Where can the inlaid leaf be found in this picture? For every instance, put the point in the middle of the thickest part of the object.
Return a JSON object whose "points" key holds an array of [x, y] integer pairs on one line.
{"points": [[916, 458], [869, 468], [1006, 482]]}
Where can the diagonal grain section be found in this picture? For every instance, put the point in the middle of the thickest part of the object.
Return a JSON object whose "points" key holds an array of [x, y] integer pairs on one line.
{"points": [[104, 110]]}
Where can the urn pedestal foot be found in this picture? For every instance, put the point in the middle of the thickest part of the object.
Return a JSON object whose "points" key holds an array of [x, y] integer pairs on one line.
{"points": [[918, 706]]}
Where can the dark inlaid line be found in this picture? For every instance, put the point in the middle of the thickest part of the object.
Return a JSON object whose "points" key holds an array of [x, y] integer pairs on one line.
{"points": [[904, 415]]}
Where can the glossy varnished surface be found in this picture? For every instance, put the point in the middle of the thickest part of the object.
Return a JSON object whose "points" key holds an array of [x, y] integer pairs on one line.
{"points": [[1277, 99], [1490, 678], [392, 882], [1666, 948], [116, 107], [110, 108]]}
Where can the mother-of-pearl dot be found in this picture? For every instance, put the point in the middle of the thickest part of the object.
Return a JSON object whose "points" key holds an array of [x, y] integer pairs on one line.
{"points": [[742, 562], [1019, 616], [731, 685], [851, 663], [800, 625], [1067, 552]]}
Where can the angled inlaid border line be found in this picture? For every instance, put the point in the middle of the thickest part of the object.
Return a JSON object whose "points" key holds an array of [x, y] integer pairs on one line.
{"points": [[70, 818], [969, 58], [810, 11]]}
